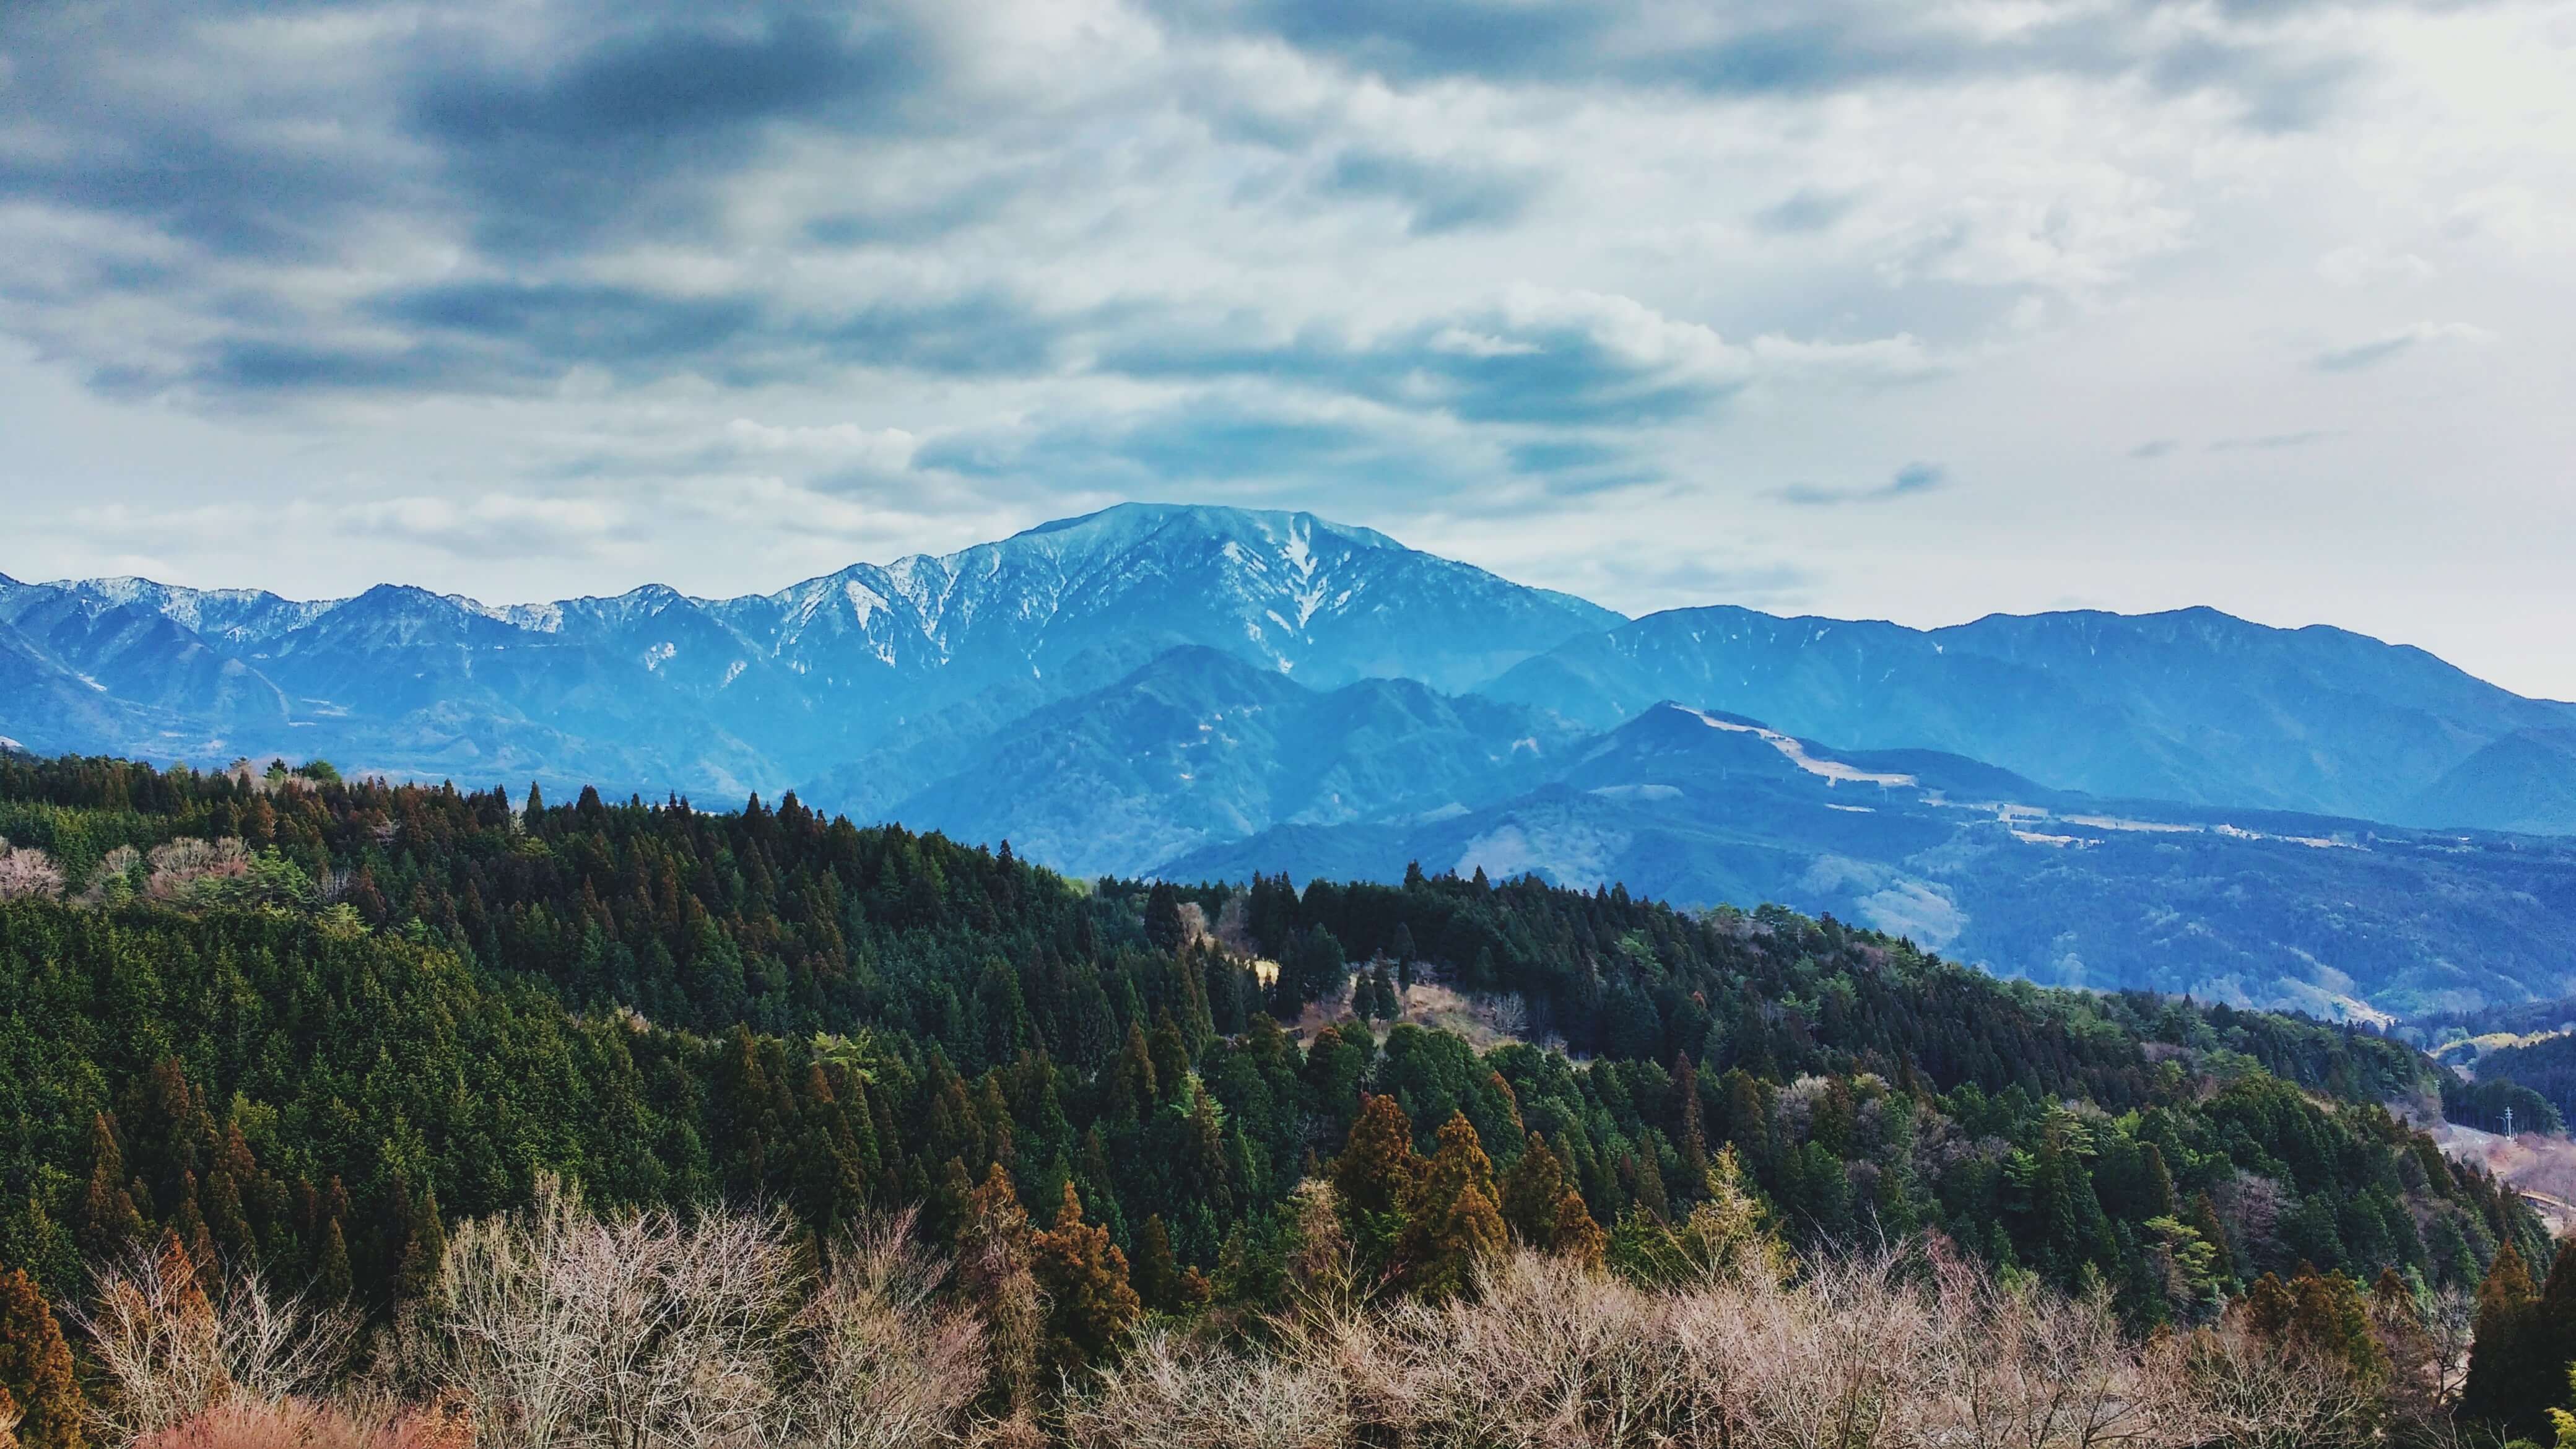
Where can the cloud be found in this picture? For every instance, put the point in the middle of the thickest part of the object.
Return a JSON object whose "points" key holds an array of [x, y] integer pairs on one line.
{"points": [[631, 128], [2153, 449], [492, 525], [2271, 442], [1438, 195], [2361, 266], [908, 274], [2390, 345], [1912, 479], [2279, 76], [1803, 212]]}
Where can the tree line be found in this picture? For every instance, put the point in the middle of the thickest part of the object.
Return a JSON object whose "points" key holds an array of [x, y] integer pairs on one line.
{"points": [[308, 1026]]}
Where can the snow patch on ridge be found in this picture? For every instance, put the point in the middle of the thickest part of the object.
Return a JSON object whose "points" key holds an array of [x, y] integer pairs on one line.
{"points": [[1833, 771]]}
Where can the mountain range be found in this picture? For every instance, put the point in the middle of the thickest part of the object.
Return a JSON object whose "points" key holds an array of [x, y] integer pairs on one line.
{"points": [[2184, 800]]}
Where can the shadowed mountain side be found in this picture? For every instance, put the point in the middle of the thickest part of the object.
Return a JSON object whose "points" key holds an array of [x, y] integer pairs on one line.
{"points": [[2332, 916], [2192, 706], [1198, 747], [2525, 781]]}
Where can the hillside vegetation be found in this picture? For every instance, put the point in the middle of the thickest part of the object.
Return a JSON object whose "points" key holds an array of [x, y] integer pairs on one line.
{"points": [[313, 1028]]}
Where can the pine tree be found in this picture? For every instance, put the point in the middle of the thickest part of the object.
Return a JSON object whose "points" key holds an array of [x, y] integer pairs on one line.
{"points": [[1090, 1303], [2509, 1383], [1383, 1003], [1452, 1226], [36, 1368]]}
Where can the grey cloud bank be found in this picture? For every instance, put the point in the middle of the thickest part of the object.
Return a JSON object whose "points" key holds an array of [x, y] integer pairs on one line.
{"points": [[1853, 308]]}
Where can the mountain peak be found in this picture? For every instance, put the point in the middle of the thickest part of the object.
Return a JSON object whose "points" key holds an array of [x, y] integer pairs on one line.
{"points": [[1279, 527]]}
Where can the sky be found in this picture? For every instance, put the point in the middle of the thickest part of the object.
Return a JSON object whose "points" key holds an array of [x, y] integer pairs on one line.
{"points": [[1914, 310]]}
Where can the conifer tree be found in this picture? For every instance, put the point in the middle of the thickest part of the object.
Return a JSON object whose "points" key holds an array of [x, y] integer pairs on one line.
{"points": [[1163, 917], [1318, 1270], [109, 1222], [331, 1277], [1532, 1190], [1576, 1235], [2204, 1221], [423, 1240], [36, 1369], [2329, 1317], [1090, 1303], [1690, 1137], [1452, 1225], [2553, 1325], [1374, 1176], [1157, 1275], [2509, 1381], [993, 1274]]}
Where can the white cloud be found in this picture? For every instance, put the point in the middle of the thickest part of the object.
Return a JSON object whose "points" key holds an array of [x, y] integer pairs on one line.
{"points": [[1577, 292]]}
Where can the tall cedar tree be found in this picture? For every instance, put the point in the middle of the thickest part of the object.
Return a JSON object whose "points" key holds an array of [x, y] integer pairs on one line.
{"points": [[993, 1273], [2553, 1327], [1090, 1303], [1453, 1224], [36, 1368], [1375, 1177], [2510, 1381], [1531, 1188], [1162, 1283], [109, 1221]]}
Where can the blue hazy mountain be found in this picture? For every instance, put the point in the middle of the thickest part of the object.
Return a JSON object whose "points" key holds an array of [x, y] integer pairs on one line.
{"points": [[2340, 917], [654, 690], [1209, 691], [1199, 746], [2191, 706], [2523, 781]]}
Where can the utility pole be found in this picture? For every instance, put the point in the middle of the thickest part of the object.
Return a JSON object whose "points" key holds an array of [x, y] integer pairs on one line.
{"points": [[2508, 1120]]}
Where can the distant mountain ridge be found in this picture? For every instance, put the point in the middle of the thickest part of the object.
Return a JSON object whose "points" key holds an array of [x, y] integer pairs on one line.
{"points": [[2193, 705], [656, 690], [908, 663], [1213, 691]]}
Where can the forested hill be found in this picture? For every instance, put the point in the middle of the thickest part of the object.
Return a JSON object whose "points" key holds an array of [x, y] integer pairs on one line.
{"points": [[309, 1022]]}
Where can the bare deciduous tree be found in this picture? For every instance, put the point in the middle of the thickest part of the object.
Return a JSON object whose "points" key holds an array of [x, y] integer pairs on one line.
{"points": [[173, 1350], [642, 1330], [26, 872], [886, 1366]]}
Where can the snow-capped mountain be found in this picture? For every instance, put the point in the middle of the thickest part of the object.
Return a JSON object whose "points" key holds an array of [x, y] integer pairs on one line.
{"points": [[766, 689]]}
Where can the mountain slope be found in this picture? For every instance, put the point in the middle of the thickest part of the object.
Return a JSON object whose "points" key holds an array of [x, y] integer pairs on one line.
{"points": [[2525, 781], [1199, 746], [2193, 706], [2334, 917]]}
